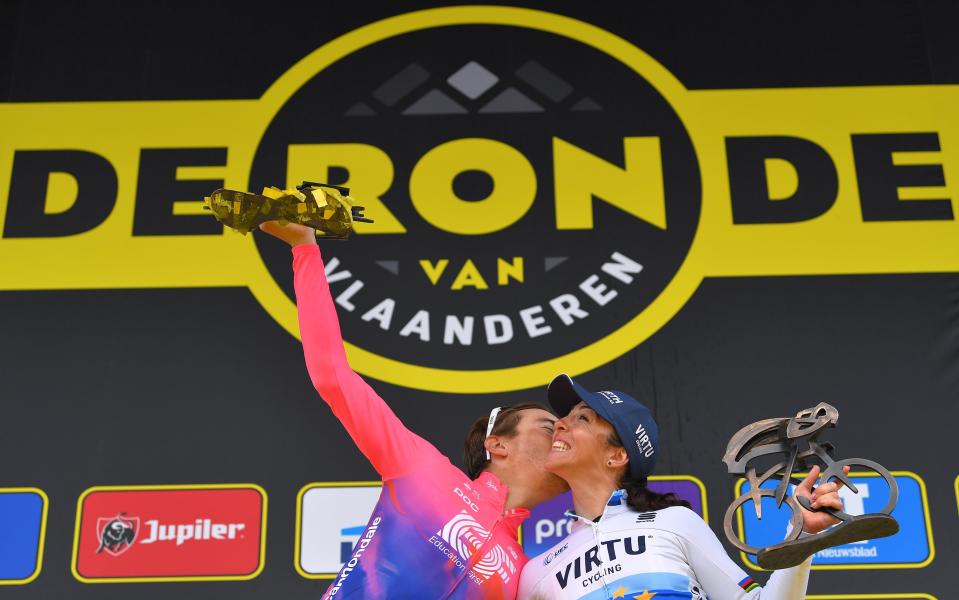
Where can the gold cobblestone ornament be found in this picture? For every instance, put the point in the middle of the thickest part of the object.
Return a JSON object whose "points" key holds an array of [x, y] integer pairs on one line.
{"points": [[328, 209]]}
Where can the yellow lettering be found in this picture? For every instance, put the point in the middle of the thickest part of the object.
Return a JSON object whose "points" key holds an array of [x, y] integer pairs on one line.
{"points": [[636, 189], [369, 167], [431, 186], [505, 270], [469, 275], [434, 271]]}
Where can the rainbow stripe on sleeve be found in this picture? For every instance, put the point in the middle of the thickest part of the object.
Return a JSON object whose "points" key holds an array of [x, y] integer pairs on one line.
{"points": [[748, 584]]}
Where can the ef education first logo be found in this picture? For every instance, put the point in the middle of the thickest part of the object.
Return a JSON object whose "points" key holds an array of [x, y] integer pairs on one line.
{"points": [[543, 203]]}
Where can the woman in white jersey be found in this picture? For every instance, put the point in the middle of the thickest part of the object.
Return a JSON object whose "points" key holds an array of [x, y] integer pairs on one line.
{"points": [[627, 541]]}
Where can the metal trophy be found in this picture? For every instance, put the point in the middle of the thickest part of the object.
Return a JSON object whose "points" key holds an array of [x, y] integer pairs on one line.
{"points": [[328, 209], [780, 448]]}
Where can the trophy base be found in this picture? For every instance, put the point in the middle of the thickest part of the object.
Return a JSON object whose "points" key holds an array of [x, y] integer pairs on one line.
{"points": [[863, 527]]}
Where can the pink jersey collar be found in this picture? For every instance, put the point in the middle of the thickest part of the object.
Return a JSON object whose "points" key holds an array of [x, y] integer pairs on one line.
{"points": [[497, 491]]}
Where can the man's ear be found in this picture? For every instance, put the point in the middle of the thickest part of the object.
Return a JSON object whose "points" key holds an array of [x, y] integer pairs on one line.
{"points": [[496, 446], [617, 458]]}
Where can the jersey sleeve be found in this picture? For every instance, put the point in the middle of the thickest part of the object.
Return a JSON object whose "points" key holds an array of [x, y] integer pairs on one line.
{"points": [[528, 579], [722, 579], [390, 447]]}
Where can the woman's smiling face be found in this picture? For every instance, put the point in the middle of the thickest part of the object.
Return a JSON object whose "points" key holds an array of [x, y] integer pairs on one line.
{"points": [[580, 442]]}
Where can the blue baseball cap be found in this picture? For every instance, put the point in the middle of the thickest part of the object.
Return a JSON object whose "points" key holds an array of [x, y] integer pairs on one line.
{"points": [[631, 420]]}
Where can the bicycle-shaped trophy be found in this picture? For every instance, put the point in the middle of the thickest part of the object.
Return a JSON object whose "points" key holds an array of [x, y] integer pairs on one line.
{"points": [[781, 448]]}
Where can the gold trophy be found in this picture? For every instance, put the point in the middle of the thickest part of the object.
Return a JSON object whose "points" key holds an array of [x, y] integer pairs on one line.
{"points": [[328, 209]]}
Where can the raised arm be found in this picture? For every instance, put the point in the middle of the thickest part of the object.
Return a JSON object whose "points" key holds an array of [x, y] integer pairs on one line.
{"points": [[723, 579], [716, 571], [390, 447]]}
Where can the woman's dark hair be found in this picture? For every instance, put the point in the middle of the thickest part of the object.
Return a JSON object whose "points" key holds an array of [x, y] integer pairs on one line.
{"points": [[638, 495], [474, 447]]}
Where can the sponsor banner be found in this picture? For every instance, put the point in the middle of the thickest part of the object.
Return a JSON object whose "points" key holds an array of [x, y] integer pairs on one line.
{"points": [[170, 533], [483, 166], [23, 523], [548, 523], [912, 547], [330, 518]]}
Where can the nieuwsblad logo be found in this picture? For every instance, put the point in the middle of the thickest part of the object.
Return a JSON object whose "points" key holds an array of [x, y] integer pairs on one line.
{"points": [[542, 204], [913, 547], [159, 533]]}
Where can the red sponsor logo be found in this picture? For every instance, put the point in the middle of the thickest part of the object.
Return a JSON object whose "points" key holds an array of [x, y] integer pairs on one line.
{"points": [[169, 532], [117, 534]]}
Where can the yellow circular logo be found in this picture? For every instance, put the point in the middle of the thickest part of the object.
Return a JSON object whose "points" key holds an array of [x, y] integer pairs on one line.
{"points": [[535, 191]]}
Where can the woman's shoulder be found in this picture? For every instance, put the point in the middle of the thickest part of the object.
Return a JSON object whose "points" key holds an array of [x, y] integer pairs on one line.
{"points": [[669, 512], [680, 512], [671, 517]]}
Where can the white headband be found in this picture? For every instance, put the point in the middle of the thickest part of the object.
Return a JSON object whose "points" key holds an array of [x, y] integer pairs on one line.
{"points": [[489, 426]]}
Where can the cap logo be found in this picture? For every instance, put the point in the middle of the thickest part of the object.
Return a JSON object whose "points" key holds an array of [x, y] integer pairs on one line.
{"points": [[613, 398], [643, 443]]}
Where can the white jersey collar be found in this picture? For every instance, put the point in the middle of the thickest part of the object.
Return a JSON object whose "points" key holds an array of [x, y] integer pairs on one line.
{"points": [[614, 506]]}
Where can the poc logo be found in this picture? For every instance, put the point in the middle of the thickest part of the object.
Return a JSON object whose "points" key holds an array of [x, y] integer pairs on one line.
{"points": [[613, 398], [473, 506]]}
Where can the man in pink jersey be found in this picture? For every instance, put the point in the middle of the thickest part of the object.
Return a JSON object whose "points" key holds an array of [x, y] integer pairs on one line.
{"points": [[435, 532]]}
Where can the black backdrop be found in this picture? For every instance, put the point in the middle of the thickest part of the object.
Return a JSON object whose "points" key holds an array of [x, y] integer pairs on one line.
{"points": [[78, 364]]}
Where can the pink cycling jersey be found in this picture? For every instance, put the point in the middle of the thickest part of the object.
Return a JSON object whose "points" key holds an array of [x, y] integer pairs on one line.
{"points": [[434, 532]]}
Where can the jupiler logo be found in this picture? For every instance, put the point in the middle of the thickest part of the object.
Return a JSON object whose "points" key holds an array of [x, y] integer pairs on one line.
{"points": [[524, 209], [117, 534]]}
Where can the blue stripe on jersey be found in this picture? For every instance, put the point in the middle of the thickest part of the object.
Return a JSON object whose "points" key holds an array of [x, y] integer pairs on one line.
{"points": [[666, 586], [616, 499]]}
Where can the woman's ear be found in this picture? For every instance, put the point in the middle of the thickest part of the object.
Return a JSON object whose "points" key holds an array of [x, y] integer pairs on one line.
{"points": [[496, 446], [617, 458]]}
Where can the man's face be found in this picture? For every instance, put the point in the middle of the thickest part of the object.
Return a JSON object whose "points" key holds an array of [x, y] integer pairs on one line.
{"points": [[531, 445], [580, 442]]}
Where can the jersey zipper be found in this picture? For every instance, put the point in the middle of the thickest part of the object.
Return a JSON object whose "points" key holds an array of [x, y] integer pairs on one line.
{"points": [[594, 527]]}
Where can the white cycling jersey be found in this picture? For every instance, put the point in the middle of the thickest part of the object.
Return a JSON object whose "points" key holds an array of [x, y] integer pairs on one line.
{"points": [[662, 555]]}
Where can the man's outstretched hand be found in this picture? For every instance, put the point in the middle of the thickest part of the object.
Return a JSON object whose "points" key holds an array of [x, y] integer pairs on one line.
{"points": [[291, 233]]}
